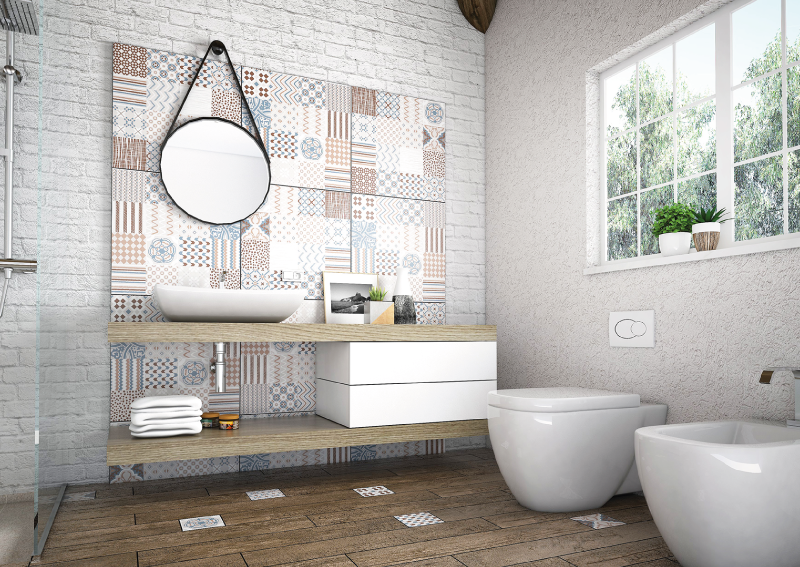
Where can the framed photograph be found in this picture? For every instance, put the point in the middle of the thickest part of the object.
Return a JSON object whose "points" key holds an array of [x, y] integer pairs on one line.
{"points": [[345, 294]]}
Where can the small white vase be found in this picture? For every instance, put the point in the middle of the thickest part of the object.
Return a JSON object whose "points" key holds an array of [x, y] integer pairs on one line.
{"points": [[674, 243]]}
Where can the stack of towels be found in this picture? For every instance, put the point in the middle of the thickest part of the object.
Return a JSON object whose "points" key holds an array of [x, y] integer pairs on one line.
{"points": [[165, 416]]}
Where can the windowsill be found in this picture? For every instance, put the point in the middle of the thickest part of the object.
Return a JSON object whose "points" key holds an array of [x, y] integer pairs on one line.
{"points": [[692, 256]]}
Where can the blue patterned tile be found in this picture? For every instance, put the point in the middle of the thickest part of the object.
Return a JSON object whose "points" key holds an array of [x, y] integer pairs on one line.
{"points": [[201, 523], [363, 453]]}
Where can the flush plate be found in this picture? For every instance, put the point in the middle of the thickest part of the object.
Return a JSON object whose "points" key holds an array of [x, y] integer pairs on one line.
{"points": [[632, 329]]}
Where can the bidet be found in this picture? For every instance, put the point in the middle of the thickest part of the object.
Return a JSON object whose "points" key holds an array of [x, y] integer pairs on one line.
{"points": [[723, 494]]}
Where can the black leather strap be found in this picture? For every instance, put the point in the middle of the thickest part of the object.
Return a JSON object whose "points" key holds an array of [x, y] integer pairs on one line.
{"points": [[218, 47]]}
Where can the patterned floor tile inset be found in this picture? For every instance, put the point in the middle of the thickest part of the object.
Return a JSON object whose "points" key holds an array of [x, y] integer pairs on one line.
{"points": [[373, 491], [201, 523], [598, 521], [265, 494], [420, 519]]}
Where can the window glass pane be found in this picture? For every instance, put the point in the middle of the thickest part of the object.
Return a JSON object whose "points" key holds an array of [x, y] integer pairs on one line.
{"points": [[655, 85], [700, 192], [697, 140], [758, 126], [758, 202], [694, 58], [620, 101], [621, 165], [794, 191], [622, 228], [649, 202], [756, 39], [793, 106], [656, 159], [792, 30]]}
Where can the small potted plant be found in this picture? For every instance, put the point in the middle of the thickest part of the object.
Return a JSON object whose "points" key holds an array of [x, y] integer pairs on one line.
{"points": [[706, 228], [376, 310], [673, 227]]}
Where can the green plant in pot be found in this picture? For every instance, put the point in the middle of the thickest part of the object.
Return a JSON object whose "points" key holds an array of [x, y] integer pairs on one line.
{"points": [[673, 227], [376, 308], [706, 226]]}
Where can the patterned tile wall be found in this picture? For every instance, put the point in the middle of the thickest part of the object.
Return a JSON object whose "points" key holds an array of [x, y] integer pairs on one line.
{"points": [[358, 184], [196, 467]]}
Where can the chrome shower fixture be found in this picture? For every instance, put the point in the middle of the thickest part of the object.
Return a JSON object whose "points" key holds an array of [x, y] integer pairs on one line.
{"points": [[19, 16], [15, 16]]}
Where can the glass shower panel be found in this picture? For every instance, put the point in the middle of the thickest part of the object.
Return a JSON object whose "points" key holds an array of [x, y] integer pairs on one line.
{"points": [[60, 377]]}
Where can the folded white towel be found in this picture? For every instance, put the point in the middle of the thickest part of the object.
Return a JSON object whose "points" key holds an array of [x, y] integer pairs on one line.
{"points": [[139, 417], [167, 402], [172, 424], [169, 432], [169, 422]]}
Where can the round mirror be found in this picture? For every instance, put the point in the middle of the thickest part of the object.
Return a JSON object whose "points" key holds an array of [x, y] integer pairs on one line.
{"points": [[215, 170]]}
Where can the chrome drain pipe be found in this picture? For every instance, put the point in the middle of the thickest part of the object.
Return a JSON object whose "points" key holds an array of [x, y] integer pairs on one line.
{"points": [[218, 365]]}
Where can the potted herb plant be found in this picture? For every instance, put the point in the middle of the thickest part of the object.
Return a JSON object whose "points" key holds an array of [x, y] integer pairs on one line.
{"points": [[706, 228], [376, 310], [673, 227]]}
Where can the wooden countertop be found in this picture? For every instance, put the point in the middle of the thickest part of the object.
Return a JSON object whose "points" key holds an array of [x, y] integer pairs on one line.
{"points": [[270, 435], [288, 332]]}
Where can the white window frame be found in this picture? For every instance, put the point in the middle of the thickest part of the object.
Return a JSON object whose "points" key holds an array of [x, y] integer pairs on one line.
{"points": [[721, 17]]}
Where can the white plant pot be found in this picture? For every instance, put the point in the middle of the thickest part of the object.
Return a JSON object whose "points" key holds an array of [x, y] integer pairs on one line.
{"points": [[674, 243], [706, 227], [706, 235]]}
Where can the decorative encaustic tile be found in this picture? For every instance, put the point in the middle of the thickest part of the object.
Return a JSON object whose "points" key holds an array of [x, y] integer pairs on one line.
{"points": [[190, 467], [419, 519], [598, 521], [282, 460], [227, 402], [120, 404], [135, 309], [373, 491], [363, 453], [201, 523], [430, 313], [125, 473], [265, 494]]}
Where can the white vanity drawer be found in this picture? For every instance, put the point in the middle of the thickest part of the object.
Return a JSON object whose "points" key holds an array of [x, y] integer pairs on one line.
{"points": [[407, 362], [398, 404]]}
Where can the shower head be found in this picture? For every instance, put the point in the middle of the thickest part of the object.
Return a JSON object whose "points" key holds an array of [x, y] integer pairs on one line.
{"points": [[19, 16]]}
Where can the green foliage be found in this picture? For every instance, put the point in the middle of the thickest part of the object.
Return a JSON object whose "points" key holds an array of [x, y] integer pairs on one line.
{"points": [[710, 215], [377, 294], [676, 217], [758, 130]]}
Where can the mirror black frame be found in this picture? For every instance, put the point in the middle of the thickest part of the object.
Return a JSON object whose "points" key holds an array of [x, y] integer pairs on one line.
{"points": [[218, 48]]}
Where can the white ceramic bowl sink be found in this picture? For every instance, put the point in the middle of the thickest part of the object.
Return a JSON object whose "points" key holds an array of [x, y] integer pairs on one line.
{"points": [[724, 493], [197, 304]]}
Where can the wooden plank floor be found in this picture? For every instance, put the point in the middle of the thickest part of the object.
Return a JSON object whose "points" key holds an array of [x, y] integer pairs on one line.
{"points": [[323, 522]]}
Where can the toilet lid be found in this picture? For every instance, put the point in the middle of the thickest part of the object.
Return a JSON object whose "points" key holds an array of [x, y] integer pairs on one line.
{"points": [[553, 400]]}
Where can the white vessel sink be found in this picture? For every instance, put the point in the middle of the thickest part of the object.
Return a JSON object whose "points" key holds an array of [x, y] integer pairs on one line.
{"points": [[206, 305], [724, 493]]}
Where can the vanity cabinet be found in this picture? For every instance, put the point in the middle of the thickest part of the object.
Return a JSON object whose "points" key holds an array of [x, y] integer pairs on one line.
{"points": [[367, 384]]}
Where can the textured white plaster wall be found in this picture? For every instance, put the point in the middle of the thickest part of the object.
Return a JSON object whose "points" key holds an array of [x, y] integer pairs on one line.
{"points": [[418, 48], [718, 322]]}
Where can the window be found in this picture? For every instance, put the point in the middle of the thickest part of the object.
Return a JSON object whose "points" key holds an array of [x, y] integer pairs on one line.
{"points": [[709, 117]]}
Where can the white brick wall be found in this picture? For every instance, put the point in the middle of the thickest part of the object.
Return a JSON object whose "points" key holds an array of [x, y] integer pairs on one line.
{"points": [[416, 48]]}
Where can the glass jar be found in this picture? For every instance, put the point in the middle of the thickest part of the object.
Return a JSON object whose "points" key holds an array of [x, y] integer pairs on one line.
{"points": [[229, 421], [210, 419]]}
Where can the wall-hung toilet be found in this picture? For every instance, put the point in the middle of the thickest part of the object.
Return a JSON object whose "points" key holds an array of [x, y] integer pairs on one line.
{"points": [[568, 449]]}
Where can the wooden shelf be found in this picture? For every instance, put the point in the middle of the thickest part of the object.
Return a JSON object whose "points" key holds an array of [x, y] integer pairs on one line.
{"points": [[288, 332], [270, 435]]}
